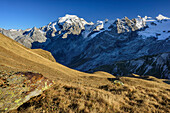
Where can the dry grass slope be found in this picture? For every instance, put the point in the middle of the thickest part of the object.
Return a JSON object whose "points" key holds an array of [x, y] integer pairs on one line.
{"points": [[137, 95], [15, 57], [76, 91], [44, 53]]}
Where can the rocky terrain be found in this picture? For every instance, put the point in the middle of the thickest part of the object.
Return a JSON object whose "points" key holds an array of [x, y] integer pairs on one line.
{"points": [[85, 46], [154, 65]]}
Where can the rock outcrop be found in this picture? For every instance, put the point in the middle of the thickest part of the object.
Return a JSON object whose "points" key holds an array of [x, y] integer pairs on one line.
{"points": [[17, 88], [127, 25]]}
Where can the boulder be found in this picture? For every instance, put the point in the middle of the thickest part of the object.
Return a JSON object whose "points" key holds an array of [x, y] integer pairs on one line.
{"points": [[18, 88]]}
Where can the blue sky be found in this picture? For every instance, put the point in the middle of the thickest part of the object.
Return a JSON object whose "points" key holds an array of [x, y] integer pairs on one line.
{"points": [[22, 14]]}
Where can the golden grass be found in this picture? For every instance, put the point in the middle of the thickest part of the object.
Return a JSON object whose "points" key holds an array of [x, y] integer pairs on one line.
{"points": [[82, 92], [143, 96], [44, 53]]}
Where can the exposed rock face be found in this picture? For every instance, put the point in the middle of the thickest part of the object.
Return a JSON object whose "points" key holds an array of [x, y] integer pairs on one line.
{"points": [[17, 88], [64, 26], [127, 25], [12, 33], [155, 65], [25, 37]]}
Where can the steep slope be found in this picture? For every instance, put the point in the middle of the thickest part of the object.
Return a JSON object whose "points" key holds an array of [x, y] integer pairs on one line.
{"points": [[17, 58], [44, 53], [14, 56]]}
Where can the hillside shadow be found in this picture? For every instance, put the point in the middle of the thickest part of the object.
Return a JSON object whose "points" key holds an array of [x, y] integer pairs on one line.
{"points": [[142, 77], [132, 76], [167, 81], [139, 77]]}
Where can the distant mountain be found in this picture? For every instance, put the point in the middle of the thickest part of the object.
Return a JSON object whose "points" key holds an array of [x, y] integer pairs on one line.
{"points": [[87, 46], [155, 65]]}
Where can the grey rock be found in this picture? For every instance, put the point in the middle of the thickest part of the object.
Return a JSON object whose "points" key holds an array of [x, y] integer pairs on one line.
{"points": [[154, 65], [127, 25], [25, 37]]}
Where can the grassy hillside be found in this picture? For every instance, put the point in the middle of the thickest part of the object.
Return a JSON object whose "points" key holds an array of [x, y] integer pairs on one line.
{"points": [[76, 91], [44, 53], [15, 57], [137, 95]]}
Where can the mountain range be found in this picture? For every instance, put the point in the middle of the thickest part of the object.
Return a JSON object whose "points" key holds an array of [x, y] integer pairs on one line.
{"points": [[120, 47], [32, 81]]}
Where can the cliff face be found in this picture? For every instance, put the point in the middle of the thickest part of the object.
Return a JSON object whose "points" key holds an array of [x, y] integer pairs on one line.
{"points": [[127, 25]]}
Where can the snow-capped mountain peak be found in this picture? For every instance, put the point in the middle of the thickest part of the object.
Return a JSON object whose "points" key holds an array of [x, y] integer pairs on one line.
{"points": [[69, 19], [69, 24], [161, 17], [156, 27]]}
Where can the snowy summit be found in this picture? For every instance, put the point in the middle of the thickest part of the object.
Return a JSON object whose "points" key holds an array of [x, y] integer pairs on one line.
{"points": [[161, 17]]}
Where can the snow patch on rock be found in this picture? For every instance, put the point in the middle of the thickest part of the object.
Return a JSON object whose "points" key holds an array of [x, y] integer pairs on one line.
{"points": [[161, 17]]}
